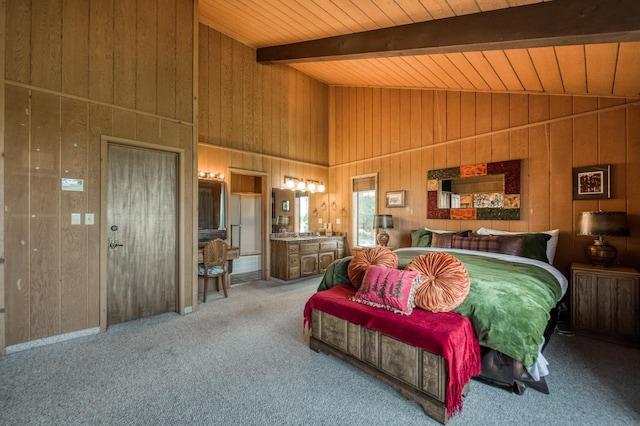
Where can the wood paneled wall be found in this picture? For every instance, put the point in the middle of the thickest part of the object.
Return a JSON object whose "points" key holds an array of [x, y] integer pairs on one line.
{"points": [[270, 119], [404, 133], [76, 71]]}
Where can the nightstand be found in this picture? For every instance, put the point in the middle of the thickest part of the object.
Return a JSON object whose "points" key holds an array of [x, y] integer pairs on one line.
{"points": [[605, 303]]}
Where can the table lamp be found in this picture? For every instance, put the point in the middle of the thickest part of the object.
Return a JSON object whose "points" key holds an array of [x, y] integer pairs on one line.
{"points": [[383, 222], [602, 224], [283, 223]]}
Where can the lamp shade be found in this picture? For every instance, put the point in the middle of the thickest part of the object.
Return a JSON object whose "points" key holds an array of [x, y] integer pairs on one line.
{"points": [[603, 223], [383, 221], [282, 220]]}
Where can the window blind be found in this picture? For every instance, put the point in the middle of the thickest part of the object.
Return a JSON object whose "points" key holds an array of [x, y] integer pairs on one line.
{"points": [[367, 183]]}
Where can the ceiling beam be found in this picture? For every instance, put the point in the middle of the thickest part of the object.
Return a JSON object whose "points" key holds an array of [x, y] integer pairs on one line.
{"points": [[553, 23]]}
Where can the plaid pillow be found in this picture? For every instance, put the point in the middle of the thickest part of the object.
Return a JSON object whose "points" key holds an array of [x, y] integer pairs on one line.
{"points": [[490, 243]]}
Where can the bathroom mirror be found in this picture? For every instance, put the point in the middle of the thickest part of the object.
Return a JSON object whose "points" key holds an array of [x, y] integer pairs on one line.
{"points": [[289, 211], [486, 191], [211, 210]]}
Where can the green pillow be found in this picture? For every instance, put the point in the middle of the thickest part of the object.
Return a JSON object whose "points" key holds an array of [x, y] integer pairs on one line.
{"points": [[535, 246], [420, 238], [336, 274]]}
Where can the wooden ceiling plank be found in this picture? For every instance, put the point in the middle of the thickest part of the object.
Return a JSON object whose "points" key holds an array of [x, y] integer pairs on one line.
{"points": [[542, 24], [438, 72], [430, 79], [468, 71], [439, 9], [502, 66], [447, 66], [426, 77], [397, 72], [415, 11], [354, 13], [601, 63], [321, 11], [573, 69], [546, 63], [464, 7], [627, 77], [242, 27], [524, 68], [486, 5], [484, 68], [382, 14]]}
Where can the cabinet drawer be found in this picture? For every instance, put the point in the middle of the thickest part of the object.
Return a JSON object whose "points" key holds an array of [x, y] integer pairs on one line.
{"points": [[307, 248], [293, 248], [329, 246], [294, 273], [294, 261]]}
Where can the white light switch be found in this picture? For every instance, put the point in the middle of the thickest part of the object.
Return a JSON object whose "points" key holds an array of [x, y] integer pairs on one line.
{"points": [[320, 221], [76, 219], [88, 218], [338, 221]]}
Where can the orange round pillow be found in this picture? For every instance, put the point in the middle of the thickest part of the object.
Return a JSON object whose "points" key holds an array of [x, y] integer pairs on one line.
{"points": [[445, 281], [379, 256]]}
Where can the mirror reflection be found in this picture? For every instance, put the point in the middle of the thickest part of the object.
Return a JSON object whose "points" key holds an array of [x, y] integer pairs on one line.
{"points": [[472, 192], [289, 211], [211, 210]]}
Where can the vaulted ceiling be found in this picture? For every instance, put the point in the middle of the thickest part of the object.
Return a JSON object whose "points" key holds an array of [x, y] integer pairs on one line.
{"points": [[587, 47]]}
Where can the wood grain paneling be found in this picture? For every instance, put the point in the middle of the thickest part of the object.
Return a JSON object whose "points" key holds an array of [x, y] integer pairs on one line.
{"points": [[44, 208], [275, 111], [73, 238], [71, 81], [16, 225], [551, 134]]}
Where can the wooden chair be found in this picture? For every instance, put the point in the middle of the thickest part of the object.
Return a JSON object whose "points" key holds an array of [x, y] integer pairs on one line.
{"points": [[214, 266]]}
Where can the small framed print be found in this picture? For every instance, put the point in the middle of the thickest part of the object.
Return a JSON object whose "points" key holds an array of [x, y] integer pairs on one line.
{"points": [[592, 182], [285, 206], [396, 198]]}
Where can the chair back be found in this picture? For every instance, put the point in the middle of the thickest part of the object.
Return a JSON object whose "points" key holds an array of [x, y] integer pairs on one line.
{"points": [[215, 254]]}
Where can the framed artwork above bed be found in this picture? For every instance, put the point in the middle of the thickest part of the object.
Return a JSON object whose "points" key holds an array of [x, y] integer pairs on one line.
{"points": [[485, 191]]}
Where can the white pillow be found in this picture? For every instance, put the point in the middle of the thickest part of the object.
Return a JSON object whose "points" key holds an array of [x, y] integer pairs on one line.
{"points": [[552, 244], [439, 231]]}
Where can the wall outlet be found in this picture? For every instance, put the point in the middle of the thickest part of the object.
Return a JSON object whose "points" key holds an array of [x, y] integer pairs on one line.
{"points": [[320, 221], [338, 221], [76, 219]]}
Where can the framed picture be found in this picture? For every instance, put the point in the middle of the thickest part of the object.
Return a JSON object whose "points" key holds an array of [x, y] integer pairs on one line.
{"points": [[591, 183], [285, 206], [395, 198]]}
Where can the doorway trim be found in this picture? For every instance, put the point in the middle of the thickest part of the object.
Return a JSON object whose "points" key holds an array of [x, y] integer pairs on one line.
{"points": [[265, 190], [180, 231]]}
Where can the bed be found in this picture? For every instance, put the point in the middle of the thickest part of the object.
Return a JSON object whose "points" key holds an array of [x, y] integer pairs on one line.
{"points": [[510, 306]]}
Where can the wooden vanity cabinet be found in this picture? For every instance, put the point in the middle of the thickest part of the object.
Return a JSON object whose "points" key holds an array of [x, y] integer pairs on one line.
{"points": [[293, 259]]}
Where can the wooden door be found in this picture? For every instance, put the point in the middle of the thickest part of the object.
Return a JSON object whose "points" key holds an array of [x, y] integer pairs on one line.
{"points": [[142, 232]]}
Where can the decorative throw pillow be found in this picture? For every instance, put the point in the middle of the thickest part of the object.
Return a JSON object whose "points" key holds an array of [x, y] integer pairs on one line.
{"points": [[512, 244], [490, 243], [391, 289], [420, 238], [551, 245], [379, 256], [444, 283], [441, 240]]}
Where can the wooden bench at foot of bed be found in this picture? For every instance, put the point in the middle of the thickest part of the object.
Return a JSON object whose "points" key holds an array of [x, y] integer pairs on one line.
{"points": [[417, 374]]}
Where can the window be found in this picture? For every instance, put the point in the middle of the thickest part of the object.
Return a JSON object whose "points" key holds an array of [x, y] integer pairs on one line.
{"points": [[364, 209]]}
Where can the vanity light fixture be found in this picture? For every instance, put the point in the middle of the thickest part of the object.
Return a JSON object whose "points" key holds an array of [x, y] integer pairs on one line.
{"points": [[210, 175], [299, 184]]}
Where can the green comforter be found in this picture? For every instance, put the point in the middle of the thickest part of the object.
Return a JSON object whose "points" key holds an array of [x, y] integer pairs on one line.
{"points": [[508, 302]]}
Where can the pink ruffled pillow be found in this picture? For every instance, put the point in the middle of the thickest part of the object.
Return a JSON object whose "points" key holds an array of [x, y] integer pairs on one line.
{"points": [[379, 256], [392, 289], [445, 281]]}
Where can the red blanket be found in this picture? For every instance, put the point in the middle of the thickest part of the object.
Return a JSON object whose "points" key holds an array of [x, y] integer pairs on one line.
{"points": [[447, 334]]}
